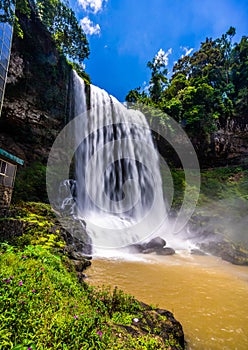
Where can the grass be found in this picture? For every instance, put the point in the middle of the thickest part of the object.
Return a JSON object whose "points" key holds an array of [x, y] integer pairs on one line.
{"points": [[43, 306]]}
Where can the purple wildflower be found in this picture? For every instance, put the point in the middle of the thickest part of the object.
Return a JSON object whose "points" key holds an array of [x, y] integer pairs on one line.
{"points": [[29, 348], [75, 316], [20, 283], [33, 290], [11, 277], [99, 333], [7, 280], [42, 268], [24, 257]]}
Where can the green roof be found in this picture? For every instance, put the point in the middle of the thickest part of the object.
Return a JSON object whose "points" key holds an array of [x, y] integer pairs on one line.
{"points": [[9, 156]]}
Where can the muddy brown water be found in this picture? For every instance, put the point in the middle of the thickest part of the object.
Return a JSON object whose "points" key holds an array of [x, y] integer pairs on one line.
{"points": [[207, 295]]}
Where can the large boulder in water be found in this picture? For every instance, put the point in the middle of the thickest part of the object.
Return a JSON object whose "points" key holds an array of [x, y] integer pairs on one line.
{"points": [[155, 244], [152, 246]]}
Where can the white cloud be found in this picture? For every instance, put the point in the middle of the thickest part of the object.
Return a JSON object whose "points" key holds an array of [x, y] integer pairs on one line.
{"points": [[162, 57], [92, 5], [187, 51], [89, 27]]}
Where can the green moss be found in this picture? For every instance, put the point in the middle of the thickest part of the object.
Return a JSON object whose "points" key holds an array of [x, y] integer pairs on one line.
{"points": [[39, 226]]}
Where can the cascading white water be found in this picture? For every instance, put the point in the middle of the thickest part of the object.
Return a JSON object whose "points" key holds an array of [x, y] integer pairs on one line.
{"points": [[119, 187]]}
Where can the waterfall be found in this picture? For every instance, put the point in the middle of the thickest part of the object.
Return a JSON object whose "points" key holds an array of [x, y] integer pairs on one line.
{"points": [[118, 182]]}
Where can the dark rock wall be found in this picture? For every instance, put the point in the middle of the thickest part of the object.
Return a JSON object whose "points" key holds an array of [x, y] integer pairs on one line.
{"points": [[227, 146], [35, 104]]}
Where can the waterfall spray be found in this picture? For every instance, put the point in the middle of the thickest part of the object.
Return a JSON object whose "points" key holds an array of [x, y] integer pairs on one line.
{"points": [[117, 169], [118, 187]]}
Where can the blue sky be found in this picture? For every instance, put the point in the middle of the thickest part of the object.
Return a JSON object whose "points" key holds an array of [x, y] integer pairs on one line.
{"points": [[125, 34]]}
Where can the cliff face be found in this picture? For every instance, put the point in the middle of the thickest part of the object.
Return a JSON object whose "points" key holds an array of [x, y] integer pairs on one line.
{"points": [[35, 105], [226, 146]]}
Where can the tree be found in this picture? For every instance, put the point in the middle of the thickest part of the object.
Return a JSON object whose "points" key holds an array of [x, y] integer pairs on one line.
{"points": [[158, 79], [58, 18], [207, 89], [240, 77]]}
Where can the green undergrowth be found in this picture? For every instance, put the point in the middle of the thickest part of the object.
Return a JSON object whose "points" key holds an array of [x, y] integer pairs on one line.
{"points": [[37, 225], [228, 183], [223, 200], [30, 184], [43, 306]]}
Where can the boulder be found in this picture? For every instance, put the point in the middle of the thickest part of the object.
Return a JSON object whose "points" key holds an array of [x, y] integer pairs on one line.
{"points": [[155, 243], [152, 246], [81, 265], [165, 251]]}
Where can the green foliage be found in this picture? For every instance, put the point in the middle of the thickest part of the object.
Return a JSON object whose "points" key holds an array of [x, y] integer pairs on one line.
{"points": [[39, 227], [81, 72], [219, 187], [63, 25], [30, 184], [205, 90], [8, 13], [158, 77], [57, 17], [42, 306]]}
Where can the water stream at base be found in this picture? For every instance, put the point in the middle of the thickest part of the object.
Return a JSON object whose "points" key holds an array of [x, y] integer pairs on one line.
{"points": [[207, 295]]}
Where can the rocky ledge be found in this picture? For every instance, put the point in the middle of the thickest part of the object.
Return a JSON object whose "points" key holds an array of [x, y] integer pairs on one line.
{"points": [[36, 224], [228, 251], [158, 323]]}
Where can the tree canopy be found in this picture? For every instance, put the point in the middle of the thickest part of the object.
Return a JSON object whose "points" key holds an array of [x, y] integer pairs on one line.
{"points": [[57, 17], [205, 89]]}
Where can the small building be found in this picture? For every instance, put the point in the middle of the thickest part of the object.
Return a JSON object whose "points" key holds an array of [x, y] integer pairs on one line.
{"points": [[8, 166]]}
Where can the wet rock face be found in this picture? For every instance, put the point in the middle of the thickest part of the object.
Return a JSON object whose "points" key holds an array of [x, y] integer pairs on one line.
{"points": [[230, 146], [36, 94], [228, 251], [78, 241]]}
